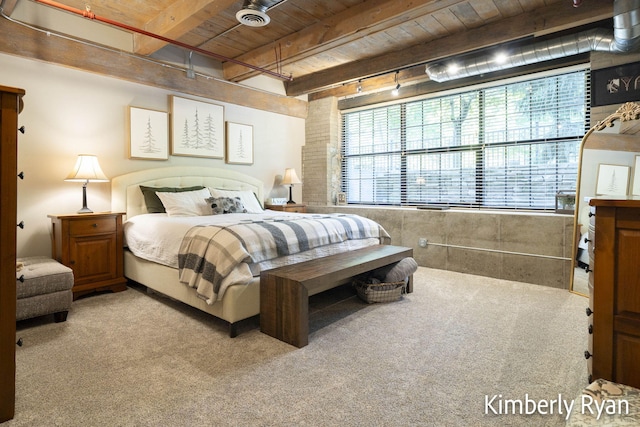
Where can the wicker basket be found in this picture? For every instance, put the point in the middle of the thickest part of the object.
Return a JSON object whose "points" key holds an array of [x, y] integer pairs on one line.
{"points": [[380, 292]]}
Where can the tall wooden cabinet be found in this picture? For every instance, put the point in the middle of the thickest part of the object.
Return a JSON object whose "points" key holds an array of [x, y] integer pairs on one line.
{"points": [[615, 295], [10, 107]]}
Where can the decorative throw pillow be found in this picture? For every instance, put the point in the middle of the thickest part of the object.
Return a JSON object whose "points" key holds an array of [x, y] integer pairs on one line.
{"points": [[248, 198], [153, 203], [226, 205]]}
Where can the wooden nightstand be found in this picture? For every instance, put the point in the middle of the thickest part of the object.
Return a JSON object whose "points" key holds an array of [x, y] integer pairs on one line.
{"points": [[92, 246], [290, 207]]}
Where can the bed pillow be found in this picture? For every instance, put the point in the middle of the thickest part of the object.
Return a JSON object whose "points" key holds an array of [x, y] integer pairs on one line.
{"points": [[248, 198], [225, 205], [185, 203], [153, 203]]}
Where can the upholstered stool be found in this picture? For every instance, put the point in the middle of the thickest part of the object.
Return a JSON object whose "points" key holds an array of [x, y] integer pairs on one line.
{"points": [[605, 403], [43, 286]]}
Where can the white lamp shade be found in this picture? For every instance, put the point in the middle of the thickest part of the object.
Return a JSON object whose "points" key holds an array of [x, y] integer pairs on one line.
{"points": [[86, 169], [290, 177]]}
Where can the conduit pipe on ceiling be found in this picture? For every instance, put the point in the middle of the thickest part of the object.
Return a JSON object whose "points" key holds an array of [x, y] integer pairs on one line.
{"points": [[625, 38], [90, 15]]}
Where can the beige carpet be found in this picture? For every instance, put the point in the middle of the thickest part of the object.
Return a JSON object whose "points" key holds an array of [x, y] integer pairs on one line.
{"points": [[134, 359]]}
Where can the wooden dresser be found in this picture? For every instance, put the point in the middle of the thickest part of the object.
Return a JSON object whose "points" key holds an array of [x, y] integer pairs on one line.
{"points": [[10, 106], [614, 300]]}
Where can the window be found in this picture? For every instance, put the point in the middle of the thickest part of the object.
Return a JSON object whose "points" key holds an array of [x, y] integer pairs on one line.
{"points": [[509, 146]]}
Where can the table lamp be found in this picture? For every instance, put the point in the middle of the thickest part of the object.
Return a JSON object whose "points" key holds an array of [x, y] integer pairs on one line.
{"points": [[87, 169], [290, 178]]}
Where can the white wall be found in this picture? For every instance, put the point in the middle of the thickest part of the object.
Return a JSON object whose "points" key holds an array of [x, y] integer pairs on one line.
{"points": [[69, 112]]}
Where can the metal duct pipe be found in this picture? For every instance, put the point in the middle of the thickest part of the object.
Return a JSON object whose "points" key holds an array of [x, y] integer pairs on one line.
{"points": [[626, 24], [625, 37]]}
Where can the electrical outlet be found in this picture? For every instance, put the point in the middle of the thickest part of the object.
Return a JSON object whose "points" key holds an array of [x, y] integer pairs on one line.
{"points": [[422, 242]]}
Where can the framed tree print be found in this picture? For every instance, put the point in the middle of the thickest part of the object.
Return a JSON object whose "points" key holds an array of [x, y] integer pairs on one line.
{"points": [[148, 134], [635, 191], [239, 143], [197, 128], [612, 180]]}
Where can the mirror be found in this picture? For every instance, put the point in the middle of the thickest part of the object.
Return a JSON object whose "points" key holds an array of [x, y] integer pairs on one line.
{"points": [[610, 142]]}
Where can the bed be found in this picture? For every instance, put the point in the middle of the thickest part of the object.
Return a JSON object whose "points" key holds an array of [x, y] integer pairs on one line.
{"points": [[238, 301]]}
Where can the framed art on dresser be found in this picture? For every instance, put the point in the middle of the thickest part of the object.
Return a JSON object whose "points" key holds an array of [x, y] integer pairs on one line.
{"points": [[636, 177], [613, 180]]}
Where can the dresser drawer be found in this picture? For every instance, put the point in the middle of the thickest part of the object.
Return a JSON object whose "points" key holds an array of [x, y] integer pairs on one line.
{"points": [[90, 226]]}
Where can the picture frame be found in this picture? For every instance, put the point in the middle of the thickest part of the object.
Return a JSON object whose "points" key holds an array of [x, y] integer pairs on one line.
{"points": [[612, 180], [148, 134], [341, 198], [197, 128], [635, 191], [239, 144]]}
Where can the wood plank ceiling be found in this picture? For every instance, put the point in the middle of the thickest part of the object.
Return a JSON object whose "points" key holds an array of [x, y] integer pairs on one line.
{"points": [[329, 47]]}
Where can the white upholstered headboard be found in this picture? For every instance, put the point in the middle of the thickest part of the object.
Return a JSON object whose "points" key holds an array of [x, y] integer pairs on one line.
{"points": [[127, 197]]}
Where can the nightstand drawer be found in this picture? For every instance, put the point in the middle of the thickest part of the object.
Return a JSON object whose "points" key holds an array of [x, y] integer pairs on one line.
{"points": [[90, 226], [289, 207], [298, 209]]}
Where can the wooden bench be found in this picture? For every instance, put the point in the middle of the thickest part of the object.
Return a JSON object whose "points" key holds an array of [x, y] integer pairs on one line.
{"points": [[285, 291]]}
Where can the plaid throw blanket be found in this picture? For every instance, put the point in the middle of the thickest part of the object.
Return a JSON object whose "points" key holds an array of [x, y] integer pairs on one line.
{"points": [[211, 254]]}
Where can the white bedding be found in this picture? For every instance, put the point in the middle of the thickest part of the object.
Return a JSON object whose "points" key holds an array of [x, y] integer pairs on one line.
{"points": [[157, 238]]}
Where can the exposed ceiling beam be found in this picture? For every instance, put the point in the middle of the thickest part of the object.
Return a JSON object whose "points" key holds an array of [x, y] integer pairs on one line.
{"points": [[367, 18], [543, 21], [177, 20], [25, 42]]}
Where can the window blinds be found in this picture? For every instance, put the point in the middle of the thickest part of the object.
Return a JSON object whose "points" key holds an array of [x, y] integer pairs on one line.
{"points": [[509, 146]]}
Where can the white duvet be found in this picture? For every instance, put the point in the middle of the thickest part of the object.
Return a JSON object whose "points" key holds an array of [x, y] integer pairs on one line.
{"points": [[157, 238]]}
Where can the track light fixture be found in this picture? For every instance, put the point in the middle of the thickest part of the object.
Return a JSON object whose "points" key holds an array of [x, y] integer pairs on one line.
{"points": [[396, 90]]}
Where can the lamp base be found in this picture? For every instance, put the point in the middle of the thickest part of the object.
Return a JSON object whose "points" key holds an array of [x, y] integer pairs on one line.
{"points": [[290, 202], [84, 209]]}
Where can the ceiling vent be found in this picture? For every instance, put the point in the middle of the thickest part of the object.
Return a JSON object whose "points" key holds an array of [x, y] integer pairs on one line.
{"points": [[253, 12]]}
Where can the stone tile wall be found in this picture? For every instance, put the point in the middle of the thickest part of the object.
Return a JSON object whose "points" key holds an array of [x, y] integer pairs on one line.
{"points": [[532, 248]]}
